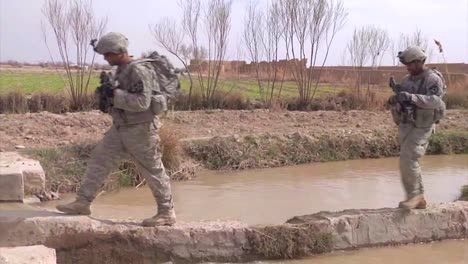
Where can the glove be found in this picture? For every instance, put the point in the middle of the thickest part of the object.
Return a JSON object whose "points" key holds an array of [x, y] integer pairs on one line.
{"points": [[404, 97], [108, 90]]}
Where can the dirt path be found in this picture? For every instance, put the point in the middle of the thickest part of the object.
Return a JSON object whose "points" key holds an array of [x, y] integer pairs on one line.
{"points": [[51, 130]]}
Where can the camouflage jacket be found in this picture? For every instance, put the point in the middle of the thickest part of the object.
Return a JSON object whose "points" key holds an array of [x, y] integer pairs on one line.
{"points": [[135, 83], [427, 89]]}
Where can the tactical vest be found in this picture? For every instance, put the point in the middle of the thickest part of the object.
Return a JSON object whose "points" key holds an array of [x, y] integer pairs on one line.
{"points": [[421, 118]]}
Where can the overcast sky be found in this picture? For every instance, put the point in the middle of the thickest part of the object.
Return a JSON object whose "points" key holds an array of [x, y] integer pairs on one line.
{"points": [[21, 36]]}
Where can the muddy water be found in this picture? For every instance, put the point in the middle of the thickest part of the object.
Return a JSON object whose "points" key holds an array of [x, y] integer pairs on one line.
{"points": [[272, 196], [446, 252]]}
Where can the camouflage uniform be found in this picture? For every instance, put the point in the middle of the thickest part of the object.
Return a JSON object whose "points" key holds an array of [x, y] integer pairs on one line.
{"points": [[134, 133], [425, 92]]}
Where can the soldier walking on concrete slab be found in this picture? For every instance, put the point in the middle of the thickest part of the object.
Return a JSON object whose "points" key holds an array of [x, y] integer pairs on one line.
{"points": [[134, 132], [416, 107]]}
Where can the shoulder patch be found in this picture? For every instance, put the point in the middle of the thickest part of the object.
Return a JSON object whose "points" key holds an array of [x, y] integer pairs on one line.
{"points": [[137, 87], [435, 89]]}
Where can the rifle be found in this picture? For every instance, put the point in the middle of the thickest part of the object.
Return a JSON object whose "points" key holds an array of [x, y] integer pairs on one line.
{"points": [[105, 91], [406, 109]]}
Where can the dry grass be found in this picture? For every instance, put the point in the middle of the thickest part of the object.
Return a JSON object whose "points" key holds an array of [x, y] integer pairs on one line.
{"points": [[220, 100], [370, 100], [14, 102], [464, 193], [288, 241], [264, 151], [17, 102], [448, 142], [66, 166], [171, 149], [457, 96], [342, 101], [54, 103]]}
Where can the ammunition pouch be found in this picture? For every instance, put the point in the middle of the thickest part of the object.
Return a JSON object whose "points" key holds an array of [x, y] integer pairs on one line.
{"points": [[427, 117], [403, 113], [158, 104]]}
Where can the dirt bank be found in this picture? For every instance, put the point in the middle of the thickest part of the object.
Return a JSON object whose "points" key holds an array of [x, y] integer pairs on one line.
{"points": [[40, 130], [266, 150]]}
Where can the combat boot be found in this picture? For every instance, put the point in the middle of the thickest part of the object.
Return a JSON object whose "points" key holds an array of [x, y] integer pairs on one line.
{"points": [[78, 207], [416, 202], [164, 218]]}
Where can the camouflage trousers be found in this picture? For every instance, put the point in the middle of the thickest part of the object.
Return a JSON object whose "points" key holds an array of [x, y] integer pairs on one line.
{"points": [[413, 145], [141, 143]]}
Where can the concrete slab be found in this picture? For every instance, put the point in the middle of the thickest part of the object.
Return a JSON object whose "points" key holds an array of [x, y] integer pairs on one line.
{"points": [[33, 173], [27, 255], [90, 240], [34, 177], [11, 184]]}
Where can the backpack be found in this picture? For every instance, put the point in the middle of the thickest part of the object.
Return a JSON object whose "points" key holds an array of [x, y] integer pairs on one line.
{"points": [[169, 84], [427, 117], [438, 73]]}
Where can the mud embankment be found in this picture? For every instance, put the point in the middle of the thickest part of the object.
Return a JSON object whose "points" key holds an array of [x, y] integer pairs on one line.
{"points": [[262, 151]]}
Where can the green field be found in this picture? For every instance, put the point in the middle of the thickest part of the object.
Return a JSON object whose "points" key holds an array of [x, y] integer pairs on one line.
{"points": [[249, 88], [36, 82], [50, 82]]}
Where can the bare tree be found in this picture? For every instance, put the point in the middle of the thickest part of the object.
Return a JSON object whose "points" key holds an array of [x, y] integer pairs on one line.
{"points": [[169, 36], [186, 52], [359, 53], [253, 35], [74, 25], [263, 32], [380, 42], [190, 22], [271, 44], [310, 27], [416, 38], [192, 55], [217, 24], [336, 16], [358, 47], [368, 46]]}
